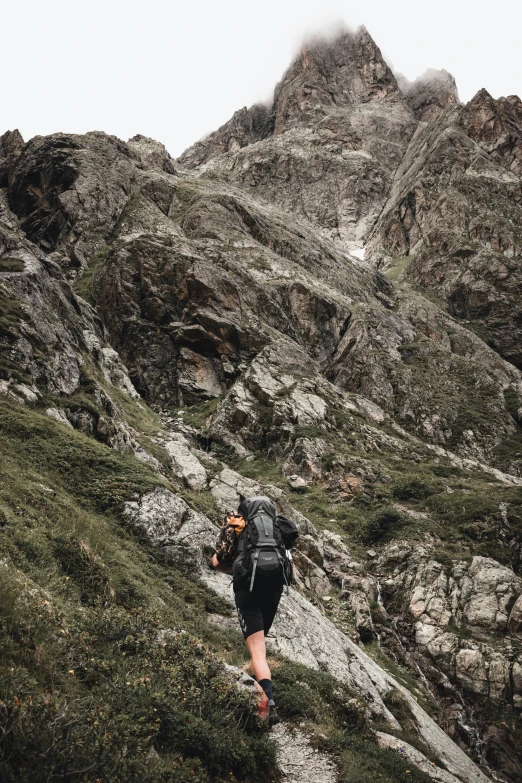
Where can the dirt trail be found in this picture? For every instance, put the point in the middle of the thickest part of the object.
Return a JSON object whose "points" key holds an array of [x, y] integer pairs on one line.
{"points": [[298, 761]]}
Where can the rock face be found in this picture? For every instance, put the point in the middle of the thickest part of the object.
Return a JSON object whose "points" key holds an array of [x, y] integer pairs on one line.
{"points": [[415, 757], [53, 343], [327, 290], [464, 619], [193, 277], [184, 463], [45, 326], [453, 213], [11, 144], [181, 534], [63, 181]]}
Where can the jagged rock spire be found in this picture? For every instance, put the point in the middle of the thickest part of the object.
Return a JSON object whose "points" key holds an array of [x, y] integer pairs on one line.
{"points": [[430, 94], [11, 142], [497, 126], [330, 73]]}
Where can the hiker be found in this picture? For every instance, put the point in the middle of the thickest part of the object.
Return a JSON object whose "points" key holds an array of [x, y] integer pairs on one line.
{"points": [[254, 546]]}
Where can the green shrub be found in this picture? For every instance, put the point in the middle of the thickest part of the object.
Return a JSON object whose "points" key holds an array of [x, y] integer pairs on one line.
{"points": [[11, 264], [10, 316], [383, 524], [416, 486]]}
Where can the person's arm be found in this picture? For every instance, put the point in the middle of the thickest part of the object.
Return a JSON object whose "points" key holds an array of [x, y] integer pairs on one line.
{"points": [[225, 569]]}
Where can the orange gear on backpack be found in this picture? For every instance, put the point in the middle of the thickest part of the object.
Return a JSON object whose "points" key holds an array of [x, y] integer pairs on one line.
{"points": [[237, 523]]}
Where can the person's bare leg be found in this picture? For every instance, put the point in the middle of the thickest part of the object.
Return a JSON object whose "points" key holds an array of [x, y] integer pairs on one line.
{"points": [[257, 649]]}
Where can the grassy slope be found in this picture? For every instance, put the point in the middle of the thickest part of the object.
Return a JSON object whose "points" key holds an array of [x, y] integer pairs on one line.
{"points": [[87, 692]]}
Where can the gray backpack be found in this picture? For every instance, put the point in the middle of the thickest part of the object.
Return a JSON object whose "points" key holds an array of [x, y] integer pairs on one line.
{"points": [[261, 560]]}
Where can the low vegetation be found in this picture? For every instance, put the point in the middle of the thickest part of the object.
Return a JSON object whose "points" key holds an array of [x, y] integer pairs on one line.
{"points": [[11, 264], [109, 669], [10, 316], [384, 524]]}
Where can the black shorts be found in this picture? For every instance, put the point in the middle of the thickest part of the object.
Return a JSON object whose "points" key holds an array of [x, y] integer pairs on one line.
{"points": [[256, 611]]}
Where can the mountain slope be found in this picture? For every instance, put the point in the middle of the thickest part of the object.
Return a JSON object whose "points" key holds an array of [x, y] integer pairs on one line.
{"points": [[378, 401]]}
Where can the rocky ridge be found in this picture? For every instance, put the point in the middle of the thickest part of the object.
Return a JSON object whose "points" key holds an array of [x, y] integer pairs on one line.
{"points": [[377, 400], [453, 214]]}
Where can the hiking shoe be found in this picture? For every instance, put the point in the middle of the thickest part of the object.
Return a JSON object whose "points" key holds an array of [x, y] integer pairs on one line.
{"points": [[273, 717], [263, 708]]}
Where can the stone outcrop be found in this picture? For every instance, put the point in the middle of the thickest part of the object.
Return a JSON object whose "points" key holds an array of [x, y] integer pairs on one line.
{"points": [[11, 145], [184, 463], [182, 535], [462, 619], [496, 127], [247, 126], [45, 327], [515, 617], [69, 191], [415, 757]]}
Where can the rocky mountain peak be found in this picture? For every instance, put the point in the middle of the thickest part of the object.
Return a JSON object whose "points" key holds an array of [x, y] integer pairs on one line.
{"points": [[497, 126], [328, 76], [10, 142], [337, 130], [331, 73], [430, 94]]}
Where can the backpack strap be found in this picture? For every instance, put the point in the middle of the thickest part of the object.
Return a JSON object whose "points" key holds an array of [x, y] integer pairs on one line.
{"points": [[284, 574], [256, 557]]}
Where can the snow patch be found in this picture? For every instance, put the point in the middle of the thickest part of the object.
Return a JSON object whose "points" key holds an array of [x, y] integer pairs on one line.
{"points": [[359, 253]]}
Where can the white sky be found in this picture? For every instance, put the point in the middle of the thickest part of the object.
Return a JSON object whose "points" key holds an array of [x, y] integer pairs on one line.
{"points": [[177, 70]]}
